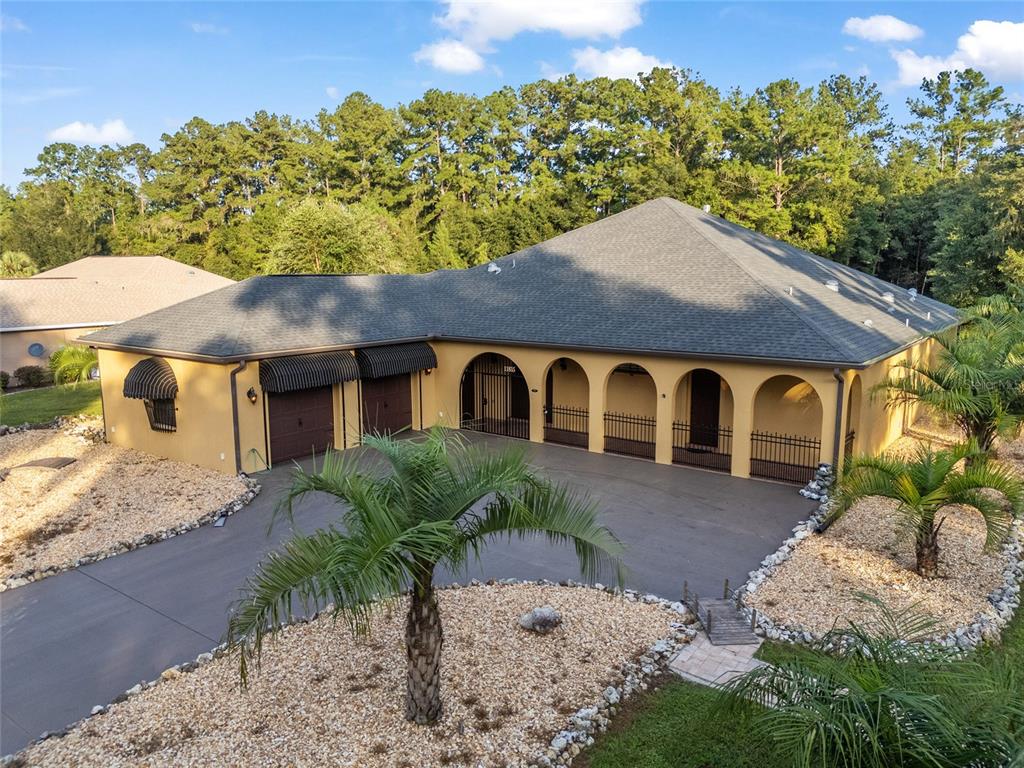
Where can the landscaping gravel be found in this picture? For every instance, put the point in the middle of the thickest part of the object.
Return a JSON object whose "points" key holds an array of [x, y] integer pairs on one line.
{"points": [[109, 495], [323, 697]]}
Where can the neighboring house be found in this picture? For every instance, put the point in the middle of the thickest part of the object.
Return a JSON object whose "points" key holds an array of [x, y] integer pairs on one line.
{"points": [[662, 332], [40, 313]]}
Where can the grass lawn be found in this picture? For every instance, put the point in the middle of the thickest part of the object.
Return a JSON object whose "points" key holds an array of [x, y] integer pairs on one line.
{"points": [[675, 726], [35, 406]]}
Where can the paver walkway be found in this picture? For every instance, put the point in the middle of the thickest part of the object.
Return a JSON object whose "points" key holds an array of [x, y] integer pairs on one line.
{"points": [[714, 665]]}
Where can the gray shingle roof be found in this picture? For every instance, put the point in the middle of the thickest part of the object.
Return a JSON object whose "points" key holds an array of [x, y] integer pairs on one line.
{"points": [[662, 277]]}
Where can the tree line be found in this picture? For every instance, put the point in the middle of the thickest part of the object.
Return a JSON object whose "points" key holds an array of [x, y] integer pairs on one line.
{"points": [[452, 179]]}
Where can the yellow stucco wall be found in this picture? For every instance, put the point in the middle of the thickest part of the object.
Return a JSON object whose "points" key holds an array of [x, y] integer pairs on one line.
{"points": [[805, 407], [14, 345]]}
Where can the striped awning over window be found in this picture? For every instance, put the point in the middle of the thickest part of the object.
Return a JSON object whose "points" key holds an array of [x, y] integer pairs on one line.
{"points": [[151, 379], [285, 374], [393, 359]]}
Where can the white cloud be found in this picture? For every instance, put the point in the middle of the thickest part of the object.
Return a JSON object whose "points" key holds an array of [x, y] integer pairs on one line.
{"points": [[12, 24], [110, 132], [207, 28], [993, 47], [615, 62], [881, 29], [332, 92], [478, 23], [450, 56], [40, 94]]}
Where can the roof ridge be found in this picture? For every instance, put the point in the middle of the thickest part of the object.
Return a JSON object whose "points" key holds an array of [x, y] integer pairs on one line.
{"points": [[754, 277]]}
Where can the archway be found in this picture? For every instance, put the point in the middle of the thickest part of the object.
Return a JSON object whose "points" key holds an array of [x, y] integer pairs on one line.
{"points": [[702, 426], [785, 443], [631, 407], [566, 404], [494, 397], [853, 402]]}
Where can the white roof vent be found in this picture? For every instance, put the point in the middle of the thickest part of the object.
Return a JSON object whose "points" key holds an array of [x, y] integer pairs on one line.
{"points": [[832, 285], [889, 296], [493, 268], [706, 208], [912, 293], [869, 323]]}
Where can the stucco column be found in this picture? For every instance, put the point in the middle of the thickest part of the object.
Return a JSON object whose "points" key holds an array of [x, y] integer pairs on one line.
{"points": [[828, 389], [663, 427], [595, 410], [742, 426]]}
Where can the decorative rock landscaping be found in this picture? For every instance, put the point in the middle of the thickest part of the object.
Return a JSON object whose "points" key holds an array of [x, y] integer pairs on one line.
{"points": [[511, 697], [110, 500]]}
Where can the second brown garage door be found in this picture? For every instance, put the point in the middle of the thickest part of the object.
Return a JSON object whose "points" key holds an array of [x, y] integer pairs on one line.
{"points": [[387, 404], [301, 422]]}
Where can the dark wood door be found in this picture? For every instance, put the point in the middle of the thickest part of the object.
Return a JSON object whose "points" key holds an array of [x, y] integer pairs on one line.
{"points": [[387, 404], [705, 400], [301, 422]]}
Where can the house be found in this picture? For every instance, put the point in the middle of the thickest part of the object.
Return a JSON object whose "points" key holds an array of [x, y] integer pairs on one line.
{"points": [[41, 313], [662, 332]]}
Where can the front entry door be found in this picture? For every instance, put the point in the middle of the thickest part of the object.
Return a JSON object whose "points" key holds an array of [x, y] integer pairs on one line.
{"points": [[705, 399], [301, 422], [387, 404]]}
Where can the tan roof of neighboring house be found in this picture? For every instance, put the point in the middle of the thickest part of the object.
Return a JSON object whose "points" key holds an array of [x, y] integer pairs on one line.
{"points": [[100, 290]]}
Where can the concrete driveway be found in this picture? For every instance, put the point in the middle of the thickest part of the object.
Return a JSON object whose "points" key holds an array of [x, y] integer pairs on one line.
{"points": [[80, 638]]}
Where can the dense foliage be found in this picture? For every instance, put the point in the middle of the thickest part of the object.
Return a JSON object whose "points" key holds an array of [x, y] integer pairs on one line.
{"points": [[452, 179], [73, 364]]}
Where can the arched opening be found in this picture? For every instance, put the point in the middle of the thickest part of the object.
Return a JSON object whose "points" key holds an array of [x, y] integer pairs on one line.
{"points": [[494, 397], [630, 418], [852, 417], [785, 443], [702, 427], [566, 404]]}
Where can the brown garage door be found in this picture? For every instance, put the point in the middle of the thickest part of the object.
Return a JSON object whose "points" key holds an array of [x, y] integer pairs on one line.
{"points": [[301, 422], [387, 403]]}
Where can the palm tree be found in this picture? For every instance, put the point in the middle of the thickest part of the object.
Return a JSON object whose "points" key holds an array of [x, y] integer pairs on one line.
{"points": [[441, 503], [875, 696], [73, 363], [977, 380], [925, 485], [17, 264]]}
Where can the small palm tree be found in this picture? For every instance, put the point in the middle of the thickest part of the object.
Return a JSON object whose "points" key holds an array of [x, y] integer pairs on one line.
{"points": [[925, 485], [17, 264], [977, 380], [872, 696], [441, 503], [73, 363]]}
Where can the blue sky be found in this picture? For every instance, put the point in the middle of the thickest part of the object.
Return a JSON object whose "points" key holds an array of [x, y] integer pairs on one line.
{"points": [[90, 72]]}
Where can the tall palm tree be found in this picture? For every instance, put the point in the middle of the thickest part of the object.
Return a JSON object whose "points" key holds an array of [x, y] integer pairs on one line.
{"points": [[925, 485], [879, 698], [977, 380], [439, 504]]}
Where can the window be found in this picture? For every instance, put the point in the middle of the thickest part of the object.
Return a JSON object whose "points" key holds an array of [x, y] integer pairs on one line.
{"points": [[36, 349], [161, 415]]}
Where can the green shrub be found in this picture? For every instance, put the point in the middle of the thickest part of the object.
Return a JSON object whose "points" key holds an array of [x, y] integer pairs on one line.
{"points": [[5, 379], [73, 363], [33, 376]]}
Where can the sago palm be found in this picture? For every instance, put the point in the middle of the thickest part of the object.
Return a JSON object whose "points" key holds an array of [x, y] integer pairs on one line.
{"points": [[439, 503], [926, 484], [977, 380], [879, 698], [73, 363]]}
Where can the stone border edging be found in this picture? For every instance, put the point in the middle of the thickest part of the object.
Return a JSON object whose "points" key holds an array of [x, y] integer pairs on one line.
{"points": [[1005, 599], [566, 744], [75, 427]]}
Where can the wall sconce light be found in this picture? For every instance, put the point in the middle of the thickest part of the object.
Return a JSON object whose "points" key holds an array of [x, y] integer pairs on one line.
{"points": [[251, 394], [428, 371]]}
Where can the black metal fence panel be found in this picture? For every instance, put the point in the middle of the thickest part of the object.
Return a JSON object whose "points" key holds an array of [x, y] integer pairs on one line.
{"points": [[629, 434], [567, 426], [790, 458], [701, 446], [495, 399]]}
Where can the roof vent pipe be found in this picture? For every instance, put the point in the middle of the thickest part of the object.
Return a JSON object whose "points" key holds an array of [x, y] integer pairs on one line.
{"points": [[706, 208]]}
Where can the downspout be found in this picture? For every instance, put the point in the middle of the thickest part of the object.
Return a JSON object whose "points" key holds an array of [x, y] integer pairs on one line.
{"points": [[234, 414], [840, 384]]}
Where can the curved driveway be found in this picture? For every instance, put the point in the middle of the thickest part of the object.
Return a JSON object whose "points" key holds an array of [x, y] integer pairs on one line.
{"points": [[80, 638]]}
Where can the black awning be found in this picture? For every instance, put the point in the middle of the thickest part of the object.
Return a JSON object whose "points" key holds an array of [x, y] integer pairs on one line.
{"points": [[151, 379], [393, 359], [285, 374]]}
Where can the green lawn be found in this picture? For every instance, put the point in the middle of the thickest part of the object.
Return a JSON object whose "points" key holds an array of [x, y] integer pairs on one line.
{"points": [[35, 406]]}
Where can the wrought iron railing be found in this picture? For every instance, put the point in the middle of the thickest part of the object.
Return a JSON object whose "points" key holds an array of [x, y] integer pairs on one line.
{"points": [[629, 434], [567, 425], [790, 458], [701, 446]]}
